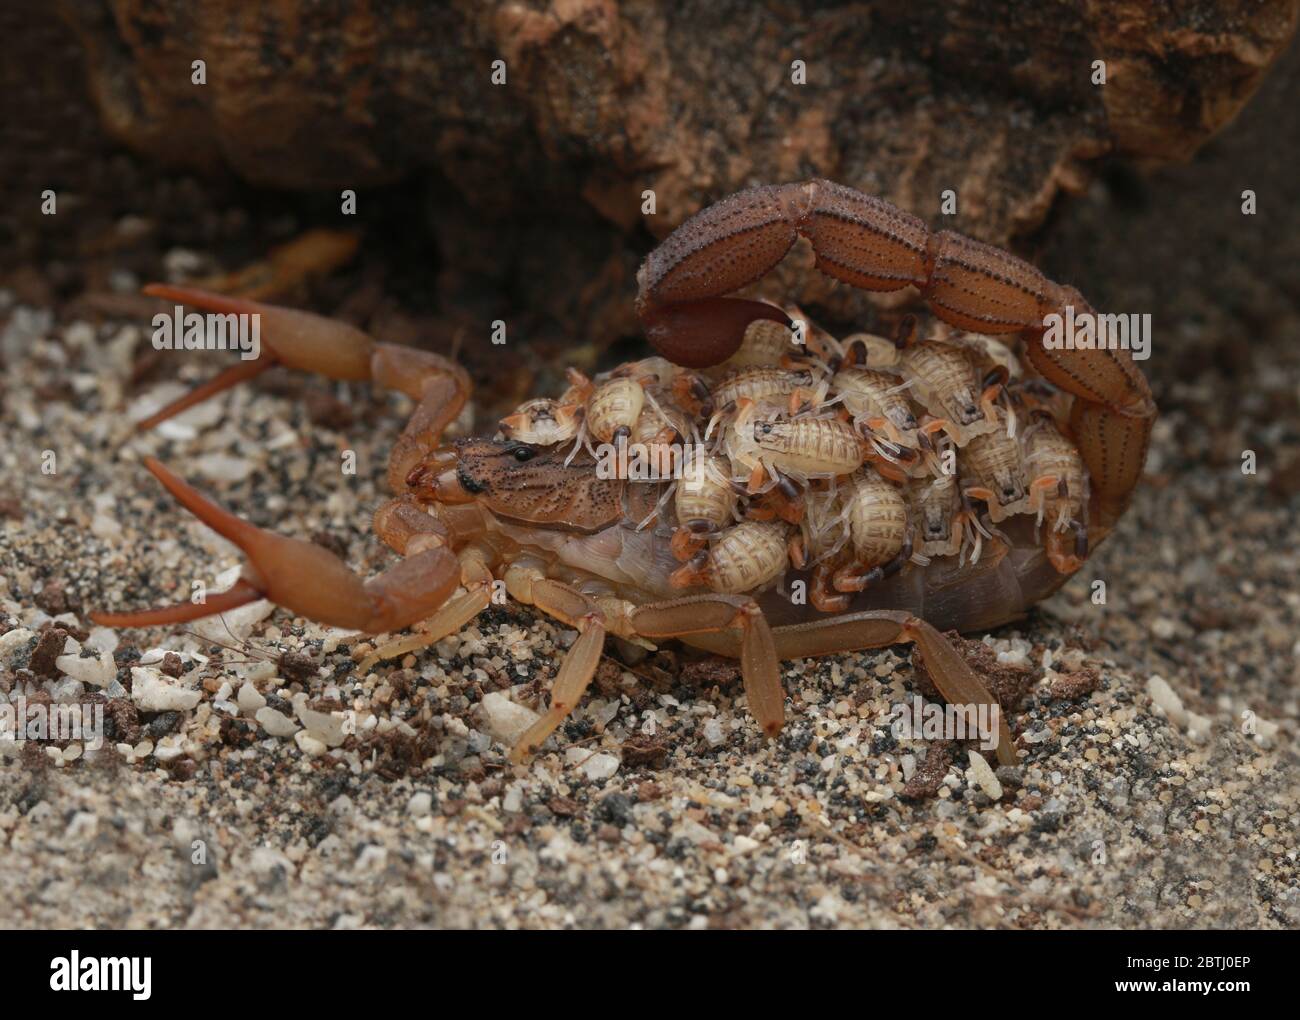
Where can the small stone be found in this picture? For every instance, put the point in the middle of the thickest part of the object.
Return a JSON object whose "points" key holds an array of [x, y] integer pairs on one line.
{"points": [[13, 641], [420, 804], [103, 526], [151, 694], [594, 766], [95, 672], [1163, 628], [49, 648], [693, 832], [504, 719], [327, 727], [83, 825], [249, 700], [372, 858], [309, 745], [1167, 700], [276, 724], [980, 776], [713, 735]]}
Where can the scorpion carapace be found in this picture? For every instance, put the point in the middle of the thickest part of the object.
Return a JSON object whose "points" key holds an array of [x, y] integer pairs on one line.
{"points": [[748, 493]]}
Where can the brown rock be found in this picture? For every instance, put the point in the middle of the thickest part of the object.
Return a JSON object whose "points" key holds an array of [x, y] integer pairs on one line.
{"points": [[603, 101]]}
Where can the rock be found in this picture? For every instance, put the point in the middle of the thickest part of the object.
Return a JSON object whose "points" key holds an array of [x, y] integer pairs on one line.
{"points": [[276, 724], [603, 101], [420, 804], [596, 767], [713, 735], [249, 700], [745, 845], [505, 719], [96, 672], [327, 727], [1167, 700], [83, 825], [980, 776], [693, 832], [102, 639], [152, 694], [309, 745], [13, 642], [1198, 728]]}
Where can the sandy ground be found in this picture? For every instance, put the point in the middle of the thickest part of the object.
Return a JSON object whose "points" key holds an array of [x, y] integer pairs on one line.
{"points": [[1159, 784], [1164, 797]]}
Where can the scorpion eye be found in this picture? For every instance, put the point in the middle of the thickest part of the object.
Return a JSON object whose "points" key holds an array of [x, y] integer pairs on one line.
{"points": [[524, 453]]}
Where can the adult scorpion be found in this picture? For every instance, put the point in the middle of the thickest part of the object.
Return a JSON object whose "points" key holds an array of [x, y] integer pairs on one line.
{"points": [[931, 483]]}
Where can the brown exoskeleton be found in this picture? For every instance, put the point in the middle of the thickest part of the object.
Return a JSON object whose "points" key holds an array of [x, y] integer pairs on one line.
{"points": [[605, 554]]}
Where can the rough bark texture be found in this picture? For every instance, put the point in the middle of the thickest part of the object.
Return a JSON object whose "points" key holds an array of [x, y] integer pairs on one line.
{"points": [[692, 100]]}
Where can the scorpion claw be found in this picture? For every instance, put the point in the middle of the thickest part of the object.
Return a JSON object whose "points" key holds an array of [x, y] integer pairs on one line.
{"points": [[298, 339], [303, 577]]}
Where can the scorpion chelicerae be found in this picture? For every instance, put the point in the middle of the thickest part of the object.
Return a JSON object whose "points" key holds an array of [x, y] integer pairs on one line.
{"points": [[931, 481]]}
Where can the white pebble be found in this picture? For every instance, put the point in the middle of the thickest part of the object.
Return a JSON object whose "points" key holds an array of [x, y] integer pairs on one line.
{"points": [[1167, 700], [221, 467], [102, 639], [233, 623], [152, 694], [276, 724], [1198, 728], [12, 641], [596, 766], [250, 700], [980, 775], [326, 727], [504, 719], [420, 804], [103, 526], [309, 745], [96, 672]]}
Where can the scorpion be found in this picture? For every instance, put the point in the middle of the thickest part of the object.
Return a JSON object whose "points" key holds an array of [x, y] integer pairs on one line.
{"points": [[946, 486]]}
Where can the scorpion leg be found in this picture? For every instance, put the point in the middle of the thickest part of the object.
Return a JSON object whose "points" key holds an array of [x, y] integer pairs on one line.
{"points": [[956, 681], [719, 614], [574, 609], [334, 349], [306, 578], [474, 596]]}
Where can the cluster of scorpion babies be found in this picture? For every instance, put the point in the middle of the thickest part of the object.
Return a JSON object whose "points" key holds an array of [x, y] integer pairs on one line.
{"points": [[848, 459]]}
